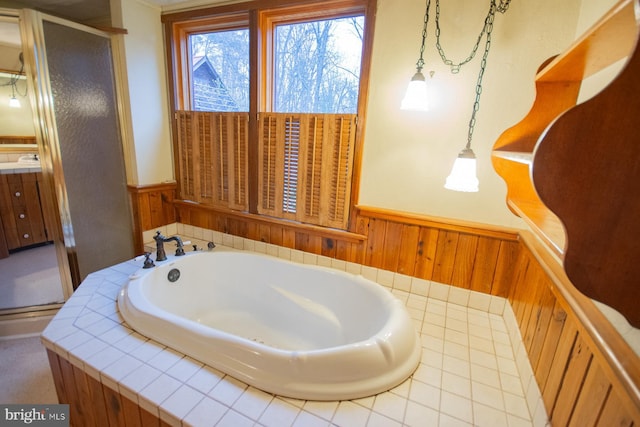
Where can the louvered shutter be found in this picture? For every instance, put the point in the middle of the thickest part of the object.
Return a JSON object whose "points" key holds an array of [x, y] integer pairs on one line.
{"points": [[305, 164], [212, 149]]}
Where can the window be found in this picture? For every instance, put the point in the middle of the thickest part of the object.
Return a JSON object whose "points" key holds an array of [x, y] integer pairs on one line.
{"points": [[267, 105], [317, 65], [220, 70]]}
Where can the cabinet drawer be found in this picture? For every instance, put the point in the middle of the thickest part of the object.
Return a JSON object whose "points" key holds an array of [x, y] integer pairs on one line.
{"points": [[17, 194], [20, 210]]}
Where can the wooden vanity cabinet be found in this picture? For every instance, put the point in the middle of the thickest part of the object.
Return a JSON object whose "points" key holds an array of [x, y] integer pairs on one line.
{"points": [[21, 212]]}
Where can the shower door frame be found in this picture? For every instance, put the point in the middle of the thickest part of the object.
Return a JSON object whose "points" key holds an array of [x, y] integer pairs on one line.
{"points": [[40, 93]]}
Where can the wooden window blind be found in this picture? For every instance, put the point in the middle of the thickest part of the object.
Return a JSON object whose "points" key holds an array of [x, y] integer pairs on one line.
{"points": [[305, 167], [212, 158], [305, 163]]}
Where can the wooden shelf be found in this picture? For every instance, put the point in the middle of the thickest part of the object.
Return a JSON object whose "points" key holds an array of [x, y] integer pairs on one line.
{"points": [[558, 83], [523, 199], [524, 157], [572, 169]]}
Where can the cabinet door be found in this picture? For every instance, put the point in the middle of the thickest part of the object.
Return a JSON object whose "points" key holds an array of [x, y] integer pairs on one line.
{"points": [[29, 213], [4, 251], [6, 212], [21, 212]]}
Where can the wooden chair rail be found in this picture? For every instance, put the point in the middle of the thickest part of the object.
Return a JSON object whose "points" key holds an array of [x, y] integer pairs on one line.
{"points": [[449, 224]]}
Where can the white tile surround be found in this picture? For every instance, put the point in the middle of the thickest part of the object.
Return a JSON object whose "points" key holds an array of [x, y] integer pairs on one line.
{"points": [[474, 369]]}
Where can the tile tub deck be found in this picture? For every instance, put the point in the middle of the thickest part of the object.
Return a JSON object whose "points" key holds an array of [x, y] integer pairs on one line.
{"points": [[474, 370]]}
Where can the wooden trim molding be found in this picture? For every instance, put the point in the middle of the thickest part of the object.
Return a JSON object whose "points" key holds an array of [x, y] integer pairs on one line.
{"points": [[28, 140], [441, 223], [150, 188]]}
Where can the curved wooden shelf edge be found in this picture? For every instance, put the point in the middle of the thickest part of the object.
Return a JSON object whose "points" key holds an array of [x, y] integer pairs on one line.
{"points": [[587, 171], [551, 100]]}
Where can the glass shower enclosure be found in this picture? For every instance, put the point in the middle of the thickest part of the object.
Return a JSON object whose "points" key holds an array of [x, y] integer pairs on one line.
{"points": [[70, 69]]}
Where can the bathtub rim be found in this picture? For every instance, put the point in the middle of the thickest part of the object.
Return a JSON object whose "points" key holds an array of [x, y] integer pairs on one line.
{"points": [[267, 379]]}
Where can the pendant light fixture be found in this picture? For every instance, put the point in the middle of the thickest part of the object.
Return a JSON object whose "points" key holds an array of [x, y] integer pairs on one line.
{"points": [[13, 80], [13, 101], [417, 98], [463, 176]]}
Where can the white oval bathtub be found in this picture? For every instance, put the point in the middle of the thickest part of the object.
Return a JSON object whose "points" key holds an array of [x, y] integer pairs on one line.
{"points": [[294, 330]]}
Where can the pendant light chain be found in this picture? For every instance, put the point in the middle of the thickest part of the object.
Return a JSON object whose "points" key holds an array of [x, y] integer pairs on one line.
{"points": [[488, 28], [455, 68], [420, 63], [13, 79]]}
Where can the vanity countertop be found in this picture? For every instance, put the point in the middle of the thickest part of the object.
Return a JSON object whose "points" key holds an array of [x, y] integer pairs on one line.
{"points": [[17, 167]]}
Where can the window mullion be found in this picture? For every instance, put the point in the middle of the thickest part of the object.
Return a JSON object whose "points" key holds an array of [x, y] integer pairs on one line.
{"points": [[253, 147]]}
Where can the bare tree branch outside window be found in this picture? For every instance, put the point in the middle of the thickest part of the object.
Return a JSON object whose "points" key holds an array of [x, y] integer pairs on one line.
{"points": [[318, 66]]}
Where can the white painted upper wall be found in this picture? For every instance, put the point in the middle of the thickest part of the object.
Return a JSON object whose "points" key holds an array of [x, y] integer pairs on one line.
{"points": [[14, 121], [147, 83], [407, 155]]}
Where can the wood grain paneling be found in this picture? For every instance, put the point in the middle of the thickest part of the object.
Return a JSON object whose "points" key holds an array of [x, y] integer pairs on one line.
{"points": [[151, 206], [91, 403], [459, 254], [31, 140], [574, 361]]}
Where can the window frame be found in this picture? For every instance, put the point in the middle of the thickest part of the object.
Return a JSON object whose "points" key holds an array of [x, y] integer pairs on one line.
{"points": [[261, 17], [271, 18], [179, 61]]}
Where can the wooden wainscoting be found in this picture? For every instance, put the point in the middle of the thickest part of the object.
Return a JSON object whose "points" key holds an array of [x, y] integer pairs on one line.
{"points": [[429, 248], [92, 403], [414, 245], [587, 374], [8, 139], [151, 206]]}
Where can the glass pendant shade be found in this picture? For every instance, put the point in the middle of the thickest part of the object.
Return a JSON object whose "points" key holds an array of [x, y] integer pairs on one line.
{"points": [[13, 102], [416, 97], [463, 176]]}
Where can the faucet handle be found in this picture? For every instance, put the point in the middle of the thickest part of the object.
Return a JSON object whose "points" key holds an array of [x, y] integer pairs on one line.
{"points": [[148, 262]]}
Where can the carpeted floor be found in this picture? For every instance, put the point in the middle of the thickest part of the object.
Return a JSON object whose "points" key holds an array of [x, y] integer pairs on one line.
{"points": [[25, 376], [30, 277]]}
